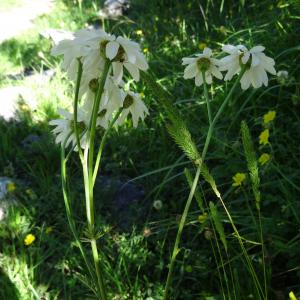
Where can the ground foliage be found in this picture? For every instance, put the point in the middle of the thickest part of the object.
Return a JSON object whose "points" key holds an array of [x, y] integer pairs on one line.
{"points": [[136, 260]]}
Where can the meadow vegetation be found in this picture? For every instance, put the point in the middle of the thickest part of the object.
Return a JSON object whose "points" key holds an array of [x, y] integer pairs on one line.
{"points": [[258, 182]]}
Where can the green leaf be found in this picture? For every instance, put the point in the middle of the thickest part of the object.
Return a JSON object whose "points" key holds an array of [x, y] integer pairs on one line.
{"points": [[218, 224], [251, 162]]}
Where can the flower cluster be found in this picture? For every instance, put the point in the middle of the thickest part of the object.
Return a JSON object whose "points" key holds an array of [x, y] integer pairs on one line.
{"points": [[252, 64], [93, 50]]}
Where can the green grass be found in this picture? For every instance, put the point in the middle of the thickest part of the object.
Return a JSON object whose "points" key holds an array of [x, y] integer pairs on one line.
{"points": [[135, 263]]}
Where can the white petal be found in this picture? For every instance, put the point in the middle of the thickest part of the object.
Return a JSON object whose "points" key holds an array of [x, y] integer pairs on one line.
{"points": [[190, 71], [198, 79], [257, 49], [133, 70], [207, 51], [112, 49]]}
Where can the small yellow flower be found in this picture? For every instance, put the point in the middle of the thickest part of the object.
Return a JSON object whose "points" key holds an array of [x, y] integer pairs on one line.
{"points": [[202, 218], [292, 296], [49, 230], [269, 116], [145, 50], [264, 158], [189, 269], [264, 137], [238, 179], [11, 186], [139, 32], [29, 239], [201, 46], [142, 95]]}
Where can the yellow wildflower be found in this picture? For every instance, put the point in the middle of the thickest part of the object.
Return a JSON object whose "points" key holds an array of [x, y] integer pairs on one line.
{"points": [[269, 116], [201, 46], [264, 158], [11, 186], [238, 179], [145, 50], [139, 32], [29, 239], [189, 269], [49, 230], [202, 218], [292, 296], [264, 137], [142, 95]]}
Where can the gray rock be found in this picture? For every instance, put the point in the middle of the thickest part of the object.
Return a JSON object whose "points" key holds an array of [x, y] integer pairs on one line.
{"points": [[125, 201], [4, 203], [114, 8]]}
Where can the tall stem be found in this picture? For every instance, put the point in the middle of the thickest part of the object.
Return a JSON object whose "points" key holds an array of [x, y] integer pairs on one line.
{"points": [[69, 211], [88, 178], [75, 107], [102, 144], [195, 182]]}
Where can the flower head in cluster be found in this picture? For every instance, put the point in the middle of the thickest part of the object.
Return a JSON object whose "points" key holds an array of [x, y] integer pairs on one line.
{"points": [[93, 50], [238, 179], [269, 116], [264, 158], [257, 65], [201, 63], [65, 131], [92, 47], [126, 53], [135, 106], [264, 137]]}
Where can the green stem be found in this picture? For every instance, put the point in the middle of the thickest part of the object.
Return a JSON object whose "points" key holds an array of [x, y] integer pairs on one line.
{"points": [[75, 107], [69, 211], [103, 140], [206, 98], [195, 182], [88, 178], [179, 233]]}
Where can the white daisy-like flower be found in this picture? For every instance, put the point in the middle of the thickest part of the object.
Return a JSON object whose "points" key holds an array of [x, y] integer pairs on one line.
{"points": [[71, 49], [257, 65], [111, 101], [64, 129], [135, 106], [126, 53], [202, 63]]}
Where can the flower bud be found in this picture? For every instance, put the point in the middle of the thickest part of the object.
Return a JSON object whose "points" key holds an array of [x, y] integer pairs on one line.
{"points": [[102, 113], [93, 85], [128, 101]]}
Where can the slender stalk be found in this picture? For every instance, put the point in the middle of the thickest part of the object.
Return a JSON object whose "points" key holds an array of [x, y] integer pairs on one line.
{"points": [[88, 179], [103, 140], [179, 233], [70, 214], [206, 98], [263, 254], [75, 108], [195, 182]]}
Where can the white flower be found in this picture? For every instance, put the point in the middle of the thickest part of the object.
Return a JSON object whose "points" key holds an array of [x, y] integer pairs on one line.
{"points": [[64, 129], [71, 52], [111, 101], [126, 53], [257, 65], [202, 62], [135, 106]]}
